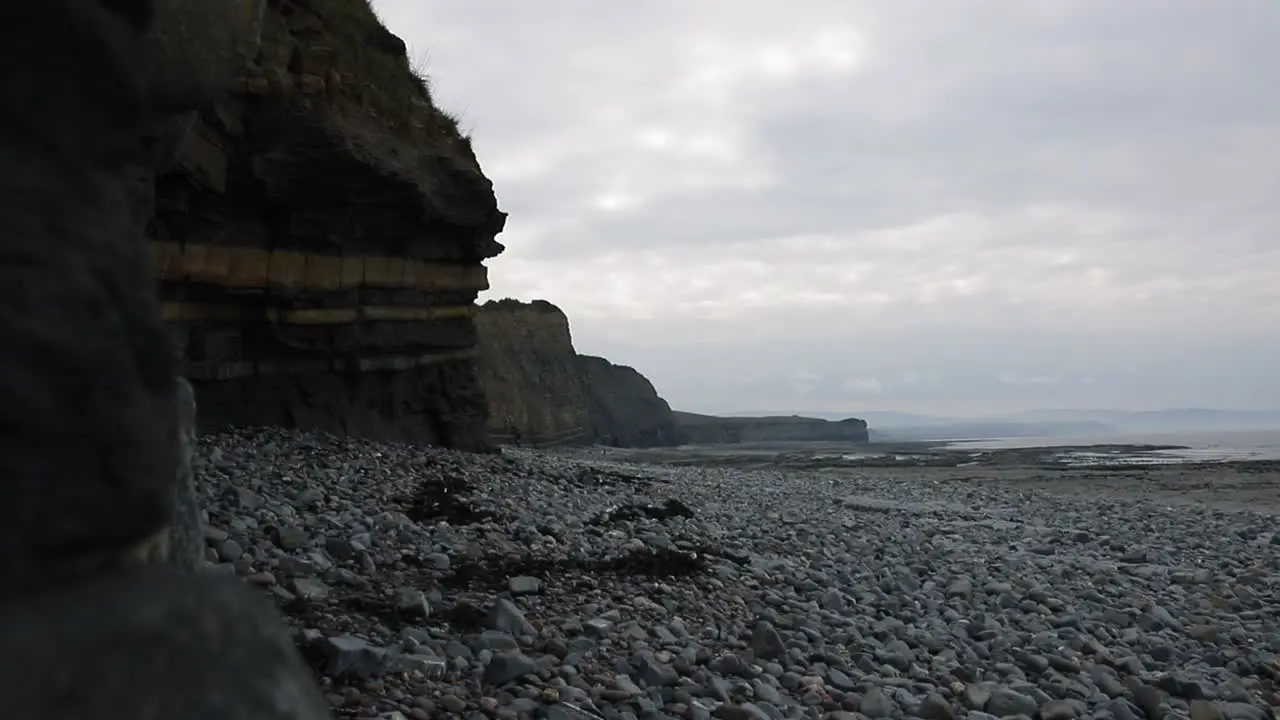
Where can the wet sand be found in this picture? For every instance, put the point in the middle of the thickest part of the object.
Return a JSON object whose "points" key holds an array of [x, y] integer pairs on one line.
{"points": [[1249, 486]]}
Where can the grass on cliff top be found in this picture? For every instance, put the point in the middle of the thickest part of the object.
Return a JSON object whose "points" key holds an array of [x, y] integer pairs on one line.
{"points": [[384, 83]]}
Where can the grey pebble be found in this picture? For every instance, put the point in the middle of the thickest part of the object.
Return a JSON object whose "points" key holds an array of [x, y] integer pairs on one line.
{"points": [[1004, 701], [507, 667], [827, 592], [876, 704]]}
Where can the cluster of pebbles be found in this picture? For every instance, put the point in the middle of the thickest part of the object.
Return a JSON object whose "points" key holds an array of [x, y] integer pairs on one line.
{"points": [[429, 583]]}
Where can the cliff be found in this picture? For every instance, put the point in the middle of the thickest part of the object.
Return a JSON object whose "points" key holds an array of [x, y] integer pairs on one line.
{"points": [[319, 244], [541, 391], [623, 407], [530, 371], [715, 430]]}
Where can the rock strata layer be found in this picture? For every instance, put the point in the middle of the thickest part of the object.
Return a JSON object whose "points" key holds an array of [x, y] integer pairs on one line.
{"points": [[319, 245], [542, 392]]}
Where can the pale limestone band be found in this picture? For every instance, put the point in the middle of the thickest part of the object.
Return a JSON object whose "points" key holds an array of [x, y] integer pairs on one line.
{"points": [[252, 268]]}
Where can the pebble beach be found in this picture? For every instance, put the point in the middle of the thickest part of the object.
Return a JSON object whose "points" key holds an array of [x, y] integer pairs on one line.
{"points": [[428, 583]]}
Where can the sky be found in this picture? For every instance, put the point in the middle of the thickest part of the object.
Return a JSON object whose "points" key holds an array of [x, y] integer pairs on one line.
{"points": [[961, 207]]}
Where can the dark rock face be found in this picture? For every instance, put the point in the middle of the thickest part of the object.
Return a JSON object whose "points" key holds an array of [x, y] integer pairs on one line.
{"points": [[623, 408], [437, 404], [541, 391], [88, 396], [714, 430], [97, 428], [186, 534], [319, 243]]}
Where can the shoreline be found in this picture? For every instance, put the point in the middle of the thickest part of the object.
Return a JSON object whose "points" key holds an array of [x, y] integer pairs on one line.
{"points": [[1250, 485], [920, 454]]}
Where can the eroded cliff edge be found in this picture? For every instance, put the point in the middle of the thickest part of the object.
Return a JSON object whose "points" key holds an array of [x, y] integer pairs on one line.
{"points": [[541, 391], [320, 244]]}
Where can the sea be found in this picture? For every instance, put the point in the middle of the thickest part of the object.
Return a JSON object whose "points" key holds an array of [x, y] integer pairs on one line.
{"points": [[1218, 446]]}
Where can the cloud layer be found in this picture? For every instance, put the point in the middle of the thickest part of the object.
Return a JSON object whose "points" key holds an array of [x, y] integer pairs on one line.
{"points": [[917, 205]]}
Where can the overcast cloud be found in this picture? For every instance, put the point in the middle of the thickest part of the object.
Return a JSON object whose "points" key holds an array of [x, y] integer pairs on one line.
{"points": [[952, 206]]}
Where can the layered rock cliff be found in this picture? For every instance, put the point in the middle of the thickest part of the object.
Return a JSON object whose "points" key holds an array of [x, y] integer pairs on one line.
{"points": [[530, 372], [320, 244], [541, 391], [716, 430]]}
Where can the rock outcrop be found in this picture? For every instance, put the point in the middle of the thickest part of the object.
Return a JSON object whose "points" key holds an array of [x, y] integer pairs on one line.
{"points": [[541, 391], [716, 430], [320, 244], [530, 372]]}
